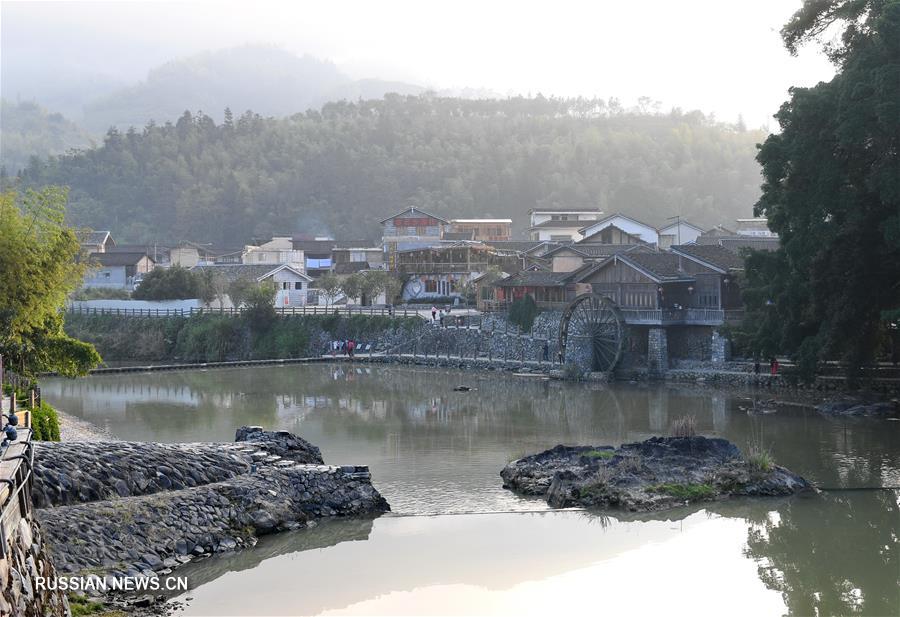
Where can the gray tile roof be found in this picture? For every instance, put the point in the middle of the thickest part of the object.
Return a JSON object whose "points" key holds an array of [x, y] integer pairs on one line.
{"points": [[527, 278], [234, 272], [712, 254], [662, 266], [117, 258]]}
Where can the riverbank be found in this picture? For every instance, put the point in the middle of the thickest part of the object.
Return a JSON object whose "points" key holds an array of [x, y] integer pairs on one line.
{"points": [[72, 428]]}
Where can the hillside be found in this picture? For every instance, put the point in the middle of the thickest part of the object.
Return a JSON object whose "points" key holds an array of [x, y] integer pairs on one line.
{"points": [[27, 129], [344, 168], [268, 80]]}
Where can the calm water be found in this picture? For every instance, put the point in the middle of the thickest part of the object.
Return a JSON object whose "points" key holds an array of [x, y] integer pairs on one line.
{"points": [[457, 543]]}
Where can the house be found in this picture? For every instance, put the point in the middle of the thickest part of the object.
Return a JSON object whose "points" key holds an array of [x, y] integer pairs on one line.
{"points": [[116, 270], [549, 290], [362, 256], [633, 227], [611, 234], [159, 254], [447, 271], [411, 228], [278, 250], [189, 254], [678, 232], [482, 230], [560, 224], [758, 227], [571, 257], [701, 277], [737, 243], [291, 283], [95, 241]]}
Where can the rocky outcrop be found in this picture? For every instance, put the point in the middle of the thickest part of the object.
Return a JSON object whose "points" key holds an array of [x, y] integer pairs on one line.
{"points": [[860, 406], [658, 473], [137, 536], [24, 560], [81, 472], [280, 443], [135, 509]]}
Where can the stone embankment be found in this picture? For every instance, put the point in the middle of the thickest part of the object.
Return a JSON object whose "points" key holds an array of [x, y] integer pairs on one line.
{"points": [[659, 473], [80, 472], [135, 509]]}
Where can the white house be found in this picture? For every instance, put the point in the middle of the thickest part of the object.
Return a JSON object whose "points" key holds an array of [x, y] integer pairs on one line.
{"points": [[278, 250], [678, 232], [643, 231], [560, 224], [291, 283], [117, 270]]}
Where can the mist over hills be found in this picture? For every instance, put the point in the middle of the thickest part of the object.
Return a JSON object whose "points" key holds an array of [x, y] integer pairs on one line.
{"points": [[345, 166], [268, 80]]}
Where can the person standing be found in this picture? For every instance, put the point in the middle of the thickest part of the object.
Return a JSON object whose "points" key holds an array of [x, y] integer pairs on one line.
{"points": [[433, 313]]}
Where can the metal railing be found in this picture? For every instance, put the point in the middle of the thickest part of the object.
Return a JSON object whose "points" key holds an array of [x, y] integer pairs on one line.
{"points": [[16, 464], [286, 311]]}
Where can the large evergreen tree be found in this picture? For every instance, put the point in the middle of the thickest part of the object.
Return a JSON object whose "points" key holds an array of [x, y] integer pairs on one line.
{"points": [[832, 192]]}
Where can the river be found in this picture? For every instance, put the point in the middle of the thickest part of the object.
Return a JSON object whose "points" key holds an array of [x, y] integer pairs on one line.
{"points": [[458, 543]]}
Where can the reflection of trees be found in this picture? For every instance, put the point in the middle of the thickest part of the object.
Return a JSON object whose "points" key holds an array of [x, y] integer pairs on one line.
{"points": [[837, 554]]}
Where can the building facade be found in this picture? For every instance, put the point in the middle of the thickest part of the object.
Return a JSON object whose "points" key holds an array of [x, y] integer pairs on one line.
{"points": [[560, 224], [410, 229], [483, 230]]}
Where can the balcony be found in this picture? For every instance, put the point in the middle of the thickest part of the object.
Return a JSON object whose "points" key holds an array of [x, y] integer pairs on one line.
{"points": [[442, 268], [674, 317]]}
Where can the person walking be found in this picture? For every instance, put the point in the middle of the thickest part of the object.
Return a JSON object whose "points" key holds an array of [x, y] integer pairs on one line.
{"points": [[433, 313], [351, 345], [546, 351]]}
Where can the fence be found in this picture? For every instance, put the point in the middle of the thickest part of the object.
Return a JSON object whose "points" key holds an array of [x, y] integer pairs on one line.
{"points": [[283, 311]]}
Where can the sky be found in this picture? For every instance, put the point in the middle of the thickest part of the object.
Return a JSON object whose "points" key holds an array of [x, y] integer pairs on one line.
{"points": [[721, 56]]}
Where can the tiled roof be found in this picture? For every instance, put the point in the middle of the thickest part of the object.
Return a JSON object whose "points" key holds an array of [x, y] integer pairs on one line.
{"points": [[350, 267], [117, 259], [459, 235], [661, 266], [528, 278], [414, 210], [593, 250], [712, 254], [234, 272], [736, 243]]}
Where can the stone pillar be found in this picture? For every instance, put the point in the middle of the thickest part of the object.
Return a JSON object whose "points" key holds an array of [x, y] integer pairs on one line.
{"points": [[720, 348], [657, 352]]}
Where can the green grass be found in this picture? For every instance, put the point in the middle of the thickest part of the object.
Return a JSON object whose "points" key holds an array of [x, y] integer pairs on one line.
{"points": [[691, 492], [604, 454], [760, 460], [82, 606]]}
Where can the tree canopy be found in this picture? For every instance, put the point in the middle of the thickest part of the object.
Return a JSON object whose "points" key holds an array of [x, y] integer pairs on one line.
{"points": [[175, 283], [343, 168], [38, 261], [832, 192]]}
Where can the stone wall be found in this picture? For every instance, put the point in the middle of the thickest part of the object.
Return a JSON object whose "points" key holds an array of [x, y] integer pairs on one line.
{"points": [[135, 509], [657, 351], [147, 535], [80, 472]]}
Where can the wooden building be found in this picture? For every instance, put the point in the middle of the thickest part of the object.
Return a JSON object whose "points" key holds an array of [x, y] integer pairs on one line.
{"points": [[410, 229], [483, 230]]}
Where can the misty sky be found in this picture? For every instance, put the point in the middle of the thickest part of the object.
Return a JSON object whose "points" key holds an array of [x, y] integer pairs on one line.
{"points": [[719, 56]]}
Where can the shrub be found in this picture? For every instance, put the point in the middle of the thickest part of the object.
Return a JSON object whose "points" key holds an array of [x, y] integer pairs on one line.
{"points": [[45, 423], [685, 426]]}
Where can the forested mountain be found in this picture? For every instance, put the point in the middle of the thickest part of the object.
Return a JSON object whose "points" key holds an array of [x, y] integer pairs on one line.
{"points": [[27, 129], [345, 167], [269, 80]]}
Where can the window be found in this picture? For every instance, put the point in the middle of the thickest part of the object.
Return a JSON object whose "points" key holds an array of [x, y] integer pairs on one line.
{"points": [[430, 286], [285, 285], [298, 285], [106, 274], [357, 256]]}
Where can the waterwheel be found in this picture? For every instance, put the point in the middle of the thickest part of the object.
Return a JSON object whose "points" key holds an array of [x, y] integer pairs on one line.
{"points": [[594, 321]]}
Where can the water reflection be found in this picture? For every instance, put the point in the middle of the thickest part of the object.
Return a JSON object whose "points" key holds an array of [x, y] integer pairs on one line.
{"points": [[433, 450], [742, 557]]}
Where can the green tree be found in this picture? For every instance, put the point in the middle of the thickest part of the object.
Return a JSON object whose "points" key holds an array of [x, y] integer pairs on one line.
{"points": [[523, 312], [353, 286], [832, 192], [331, 287], [259, 306], [175, 283], [39, 270]]}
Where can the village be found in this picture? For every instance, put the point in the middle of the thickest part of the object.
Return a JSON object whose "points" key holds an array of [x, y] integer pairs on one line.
{"points": [[568, 251]]}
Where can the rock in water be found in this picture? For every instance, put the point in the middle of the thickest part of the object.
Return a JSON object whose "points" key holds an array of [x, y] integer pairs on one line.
{"points": [[861, 406], [281, 443], [659, 473]]}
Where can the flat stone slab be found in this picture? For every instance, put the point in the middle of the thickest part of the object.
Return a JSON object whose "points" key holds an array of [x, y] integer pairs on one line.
{"points": [[659, 473]]}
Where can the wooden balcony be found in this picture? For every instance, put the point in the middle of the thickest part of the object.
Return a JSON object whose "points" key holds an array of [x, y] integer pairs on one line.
{"points": [[442, 268]]}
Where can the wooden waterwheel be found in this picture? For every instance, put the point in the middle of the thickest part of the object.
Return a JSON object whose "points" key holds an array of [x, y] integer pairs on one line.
{"points": [[596, 320]]}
